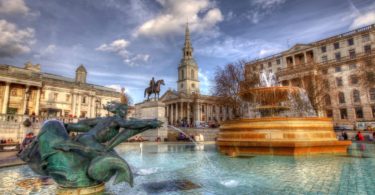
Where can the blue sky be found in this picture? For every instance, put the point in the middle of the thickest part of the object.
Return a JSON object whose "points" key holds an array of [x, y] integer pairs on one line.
{"points": [[126, 42]]}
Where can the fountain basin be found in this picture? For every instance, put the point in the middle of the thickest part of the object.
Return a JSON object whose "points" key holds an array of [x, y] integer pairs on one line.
{"points": [[268, 95], [279, 136]]}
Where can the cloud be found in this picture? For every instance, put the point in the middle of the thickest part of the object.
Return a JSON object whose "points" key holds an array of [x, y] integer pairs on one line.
{"points": [[239, 48], [119, 47], [202, 15], [363, 20], [14, 41], [261, 8], [115, 46], [11, 7], [206, 83], [50, 49]]}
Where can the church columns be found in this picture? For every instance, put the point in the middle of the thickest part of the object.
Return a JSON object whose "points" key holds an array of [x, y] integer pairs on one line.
{"points": [[181, 110], [37, 101], [6, 98], [188, 112], [197, 113]]}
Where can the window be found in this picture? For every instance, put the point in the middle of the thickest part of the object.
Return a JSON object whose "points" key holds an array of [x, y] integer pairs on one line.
{"points": [[203, 108], [343, 113], [324, 59], [182, 74], [55, 96], [367, 49], [278, 62], [254, 68], [356, 96], [350, 41], [182, 85], [341, 98], [192, 74], [327, 100], [339, 82], [67, 98], [352, 53], [358, 112], [261, 66], [269, 64], [325, 71], [329, 113], [373, 111], [365, 37], [352, 66], [193, 85], [338, 69], [323, 49], [338, 56], [372, 94], [84, 100], [354, 79], [336, 45]]}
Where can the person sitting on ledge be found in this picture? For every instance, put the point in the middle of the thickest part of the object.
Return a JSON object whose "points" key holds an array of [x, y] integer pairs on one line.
{"points": [[359, 136], [344, 135]]}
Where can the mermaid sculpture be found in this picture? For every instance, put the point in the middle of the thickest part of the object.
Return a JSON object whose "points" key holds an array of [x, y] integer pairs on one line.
{"points": [[88, 159]]}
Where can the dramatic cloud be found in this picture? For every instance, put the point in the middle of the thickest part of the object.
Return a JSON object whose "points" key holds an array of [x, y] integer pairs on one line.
{"points": [[14, 41], [363, 20], [201, 14], [119, 47], [13, 7]]}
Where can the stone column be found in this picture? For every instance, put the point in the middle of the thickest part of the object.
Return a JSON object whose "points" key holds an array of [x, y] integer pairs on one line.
{"points": [[88, 106], [25, 99], [177, 112], [79, 99], [74, 104], [181, 110], [197, 114], [6, 98], [37, 101], [188, 112]]}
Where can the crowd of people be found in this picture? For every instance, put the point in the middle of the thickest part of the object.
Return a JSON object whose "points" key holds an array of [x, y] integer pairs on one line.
{"points": [[7, 141], [359, 136]]}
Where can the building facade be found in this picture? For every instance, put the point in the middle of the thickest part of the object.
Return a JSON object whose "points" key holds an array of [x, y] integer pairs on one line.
{"points": [[28, 91], [337, 61], [187, 105]]}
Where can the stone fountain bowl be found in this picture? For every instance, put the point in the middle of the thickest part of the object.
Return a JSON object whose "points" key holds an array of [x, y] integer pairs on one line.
{"points": [[279, 136], [268, 95]]}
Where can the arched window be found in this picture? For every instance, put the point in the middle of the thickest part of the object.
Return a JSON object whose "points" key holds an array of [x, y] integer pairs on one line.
{"points": [[341, 97], [182, 74], [372, 94], [327, 100], [192, 74], [356, 96]]}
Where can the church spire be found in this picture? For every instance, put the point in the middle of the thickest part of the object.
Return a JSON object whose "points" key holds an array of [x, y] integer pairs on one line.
{"points": [[188, 49]]}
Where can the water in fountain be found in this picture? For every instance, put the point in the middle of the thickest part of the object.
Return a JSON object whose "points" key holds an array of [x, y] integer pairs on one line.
{"points": [[297, 104], [214, 170]]}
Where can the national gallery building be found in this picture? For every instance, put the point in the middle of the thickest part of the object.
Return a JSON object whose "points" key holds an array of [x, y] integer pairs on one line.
{"points": [[338, 61], [28, 91]]}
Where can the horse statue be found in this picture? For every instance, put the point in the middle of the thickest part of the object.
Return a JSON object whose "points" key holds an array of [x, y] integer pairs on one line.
{"points": [[154, 89]]}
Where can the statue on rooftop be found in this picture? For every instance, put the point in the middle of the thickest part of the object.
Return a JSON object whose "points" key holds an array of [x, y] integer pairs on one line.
{"points": [[89, 159]]}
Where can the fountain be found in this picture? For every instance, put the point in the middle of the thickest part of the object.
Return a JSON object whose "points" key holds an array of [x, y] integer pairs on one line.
{"points": [[287, 124], [82, 165]]}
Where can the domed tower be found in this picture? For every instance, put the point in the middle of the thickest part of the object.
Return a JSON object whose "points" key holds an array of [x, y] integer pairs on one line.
{"points": [[188, 69], [81, 74]]}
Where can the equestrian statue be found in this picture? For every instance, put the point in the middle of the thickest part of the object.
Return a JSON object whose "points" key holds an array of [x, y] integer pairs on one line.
{"points": [[154, 88]]}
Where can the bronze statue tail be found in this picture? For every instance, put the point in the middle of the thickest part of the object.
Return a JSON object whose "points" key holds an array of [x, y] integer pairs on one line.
{"points": [[102, 168]]}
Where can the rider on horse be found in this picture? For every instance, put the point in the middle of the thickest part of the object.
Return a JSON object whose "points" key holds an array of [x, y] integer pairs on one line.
{"points": [[152, 85]]}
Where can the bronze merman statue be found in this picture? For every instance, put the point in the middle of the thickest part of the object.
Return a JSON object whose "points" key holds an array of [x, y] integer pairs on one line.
{"points": [[88, 159]]}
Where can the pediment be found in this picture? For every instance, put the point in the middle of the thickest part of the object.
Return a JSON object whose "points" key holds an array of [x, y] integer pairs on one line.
{"points": [[298, 47], [168, 95]]}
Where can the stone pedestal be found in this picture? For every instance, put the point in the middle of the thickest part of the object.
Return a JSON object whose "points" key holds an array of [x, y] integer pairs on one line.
{"points": [[152, 110]]}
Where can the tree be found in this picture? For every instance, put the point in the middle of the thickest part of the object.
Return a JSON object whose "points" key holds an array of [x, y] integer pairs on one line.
{"points": [[228, 82]]}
